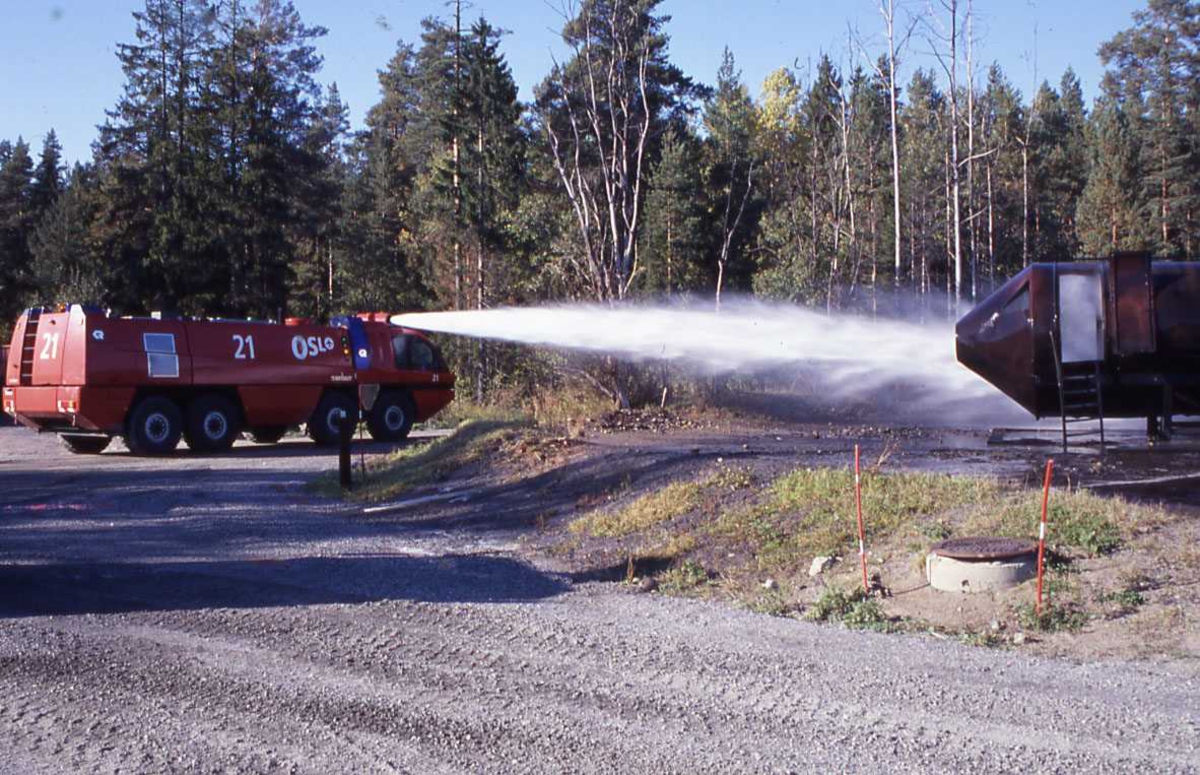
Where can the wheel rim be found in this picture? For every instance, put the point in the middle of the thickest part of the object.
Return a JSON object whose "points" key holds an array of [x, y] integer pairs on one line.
{"points": [[215, 425], [157, 428], [333, 420], [393, 418]]}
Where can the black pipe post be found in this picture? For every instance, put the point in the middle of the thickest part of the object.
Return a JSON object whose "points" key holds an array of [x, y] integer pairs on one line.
{"points": [[345, 432]]}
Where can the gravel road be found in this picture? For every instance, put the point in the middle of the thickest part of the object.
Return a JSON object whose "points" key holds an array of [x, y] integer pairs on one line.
{"points": [[207, 613]]}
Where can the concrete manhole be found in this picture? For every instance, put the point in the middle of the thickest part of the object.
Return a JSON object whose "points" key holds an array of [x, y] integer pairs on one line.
{"points": [[980, 563]]}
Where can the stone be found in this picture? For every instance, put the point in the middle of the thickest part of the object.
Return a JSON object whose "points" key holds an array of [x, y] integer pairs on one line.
{"points": [[1018, 638], [819, 565], [769, 584]]}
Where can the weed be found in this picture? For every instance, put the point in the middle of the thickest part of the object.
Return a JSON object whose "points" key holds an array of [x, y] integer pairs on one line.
{"points": [[983, 638], [1128, 599], [772, 602], [1078, 519], [935, 530], [733, 478], [854, 609], [809, 511], [683, 577], [1065, 616]]}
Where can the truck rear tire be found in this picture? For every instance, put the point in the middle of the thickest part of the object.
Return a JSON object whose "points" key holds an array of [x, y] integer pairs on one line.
{"points": [[213, 423], [391, 418], [82, 444], [154, 426], [267, 434], [324, 424]]}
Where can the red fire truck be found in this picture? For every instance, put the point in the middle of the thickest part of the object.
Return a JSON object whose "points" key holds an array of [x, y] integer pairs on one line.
{"points": [[90, 376]]}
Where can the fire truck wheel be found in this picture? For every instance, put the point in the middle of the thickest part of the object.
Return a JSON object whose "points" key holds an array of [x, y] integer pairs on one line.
{"points": [[155, 426], [323, 425], [268, 434], [213, 423], [81, 444], [391, 417]]}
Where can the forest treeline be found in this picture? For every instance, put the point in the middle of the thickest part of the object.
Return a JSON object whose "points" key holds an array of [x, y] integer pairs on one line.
{"points": [[225, 179]]}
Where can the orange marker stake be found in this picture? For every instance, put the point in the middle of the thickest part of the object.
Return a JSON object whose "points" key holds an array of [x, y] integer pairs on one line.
{"points": [[862, 537], [1042, 534]]}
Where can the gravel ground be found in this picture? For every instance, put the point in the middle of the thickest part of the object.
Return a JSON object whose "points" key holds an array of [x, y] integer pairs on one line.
{"points": [[206, 613]]}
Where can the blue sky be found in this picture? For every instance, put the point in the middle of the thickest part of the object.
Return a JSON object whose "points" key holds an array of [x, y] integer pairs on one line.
{"points": [[58, 68]]}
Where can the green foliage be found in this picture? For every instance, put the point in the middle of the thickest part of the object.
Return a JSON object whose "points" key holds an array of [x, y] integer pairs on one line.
{"points": [[855, 609], [811, 511], [682, 578], [1077, 519]]}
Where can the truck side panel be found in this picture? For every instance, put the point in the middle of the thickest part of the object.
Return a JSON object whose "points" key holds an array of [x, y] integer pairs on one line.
{"points": [[267, 405], [236, 353]]}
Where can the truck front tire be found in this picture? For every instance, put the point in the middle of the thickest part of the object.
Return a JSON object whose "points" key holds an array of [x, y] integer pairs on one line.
{"points": [[323, 426], [213, 423], [154, 426], [391, 418]]}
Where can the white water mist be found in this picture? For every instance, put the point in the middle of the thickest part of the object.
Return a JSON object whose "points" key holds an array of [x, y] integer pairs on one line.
{"points": [[852, 354]]}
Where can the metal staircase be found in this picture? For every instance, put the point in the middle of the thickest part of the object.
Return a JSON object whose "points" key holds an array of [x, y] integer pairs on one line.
{"points": [[29, 345], [1080, 399]]}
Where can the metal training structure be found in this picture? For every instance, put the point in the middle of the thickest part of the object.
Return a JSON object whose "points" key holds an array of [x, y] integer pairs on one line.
{"points": [[1092, 339]]}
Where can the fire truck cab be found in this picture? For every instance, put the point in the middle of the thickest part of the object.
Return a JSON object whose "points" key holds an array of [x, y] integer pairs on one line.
{"points": [[91, 376]]}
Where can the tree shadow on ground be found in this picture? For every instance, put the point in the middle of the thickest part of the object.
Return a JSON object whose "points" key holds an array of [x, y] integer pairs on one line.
{"points": [[120, 587]]}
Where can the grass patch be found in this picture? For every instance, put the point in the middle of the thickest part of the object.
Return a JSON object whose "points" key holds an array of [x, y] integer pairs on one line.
{"points": [[660, 506], [651, 509], [810, 512], [682, 578], [419, 465], [854, 609], [1078, 519]]}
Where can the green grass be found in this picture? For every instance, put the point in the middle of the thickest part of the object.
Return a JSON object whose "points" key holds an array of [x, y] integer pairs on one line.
{"points": [[811, 512], [659, 506], [854, 609], [683, 578], [424, 464], [1079, 519]]}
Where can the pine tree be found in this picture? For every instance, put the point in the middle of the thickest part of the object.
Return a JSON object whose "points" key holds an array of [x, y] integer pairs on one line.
{"points": [[1155, 71], [1109, 211], [16, 224], [65, 268], [676, 242], [47, 182], [731, 159]]}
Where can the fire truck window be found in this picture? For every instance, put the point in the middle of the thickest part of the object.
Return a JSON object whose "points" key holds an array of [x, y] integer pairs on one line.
{"points": [[1019, 303], [400, 350], [422, 355]]}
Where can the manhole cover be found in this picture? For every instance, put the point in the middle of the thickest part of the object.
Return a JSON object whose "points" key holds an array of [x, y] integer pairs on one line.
{"points": [[983, 548]]}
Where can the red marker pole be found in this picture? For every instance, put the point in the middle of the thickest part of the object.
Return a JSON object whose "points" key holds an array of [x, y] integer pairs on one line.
{"points": [[1042, 533], [862, 537]]}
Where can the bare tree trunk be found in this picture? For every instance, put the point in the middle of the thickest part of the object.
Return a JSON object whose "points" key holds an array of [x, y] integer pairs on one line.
{"points": [[974, 246], [1025, 202], [454, 150], [889, 16], [991, 232]]}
